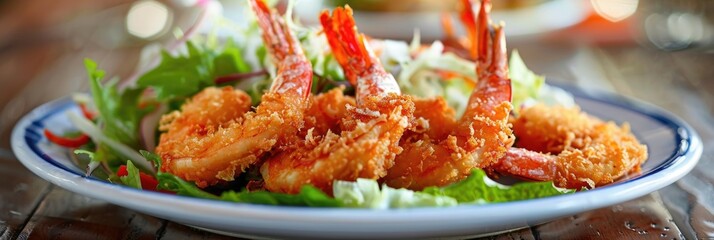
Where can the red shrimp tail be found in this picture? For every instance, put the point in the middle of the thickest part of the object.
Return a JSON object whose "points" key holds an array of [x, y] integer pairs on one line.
{"points": [[294, 70], [496, 84], [346, 43], [468, 18], [477, 29], [278, 38], [448, 26], [484, 39]]}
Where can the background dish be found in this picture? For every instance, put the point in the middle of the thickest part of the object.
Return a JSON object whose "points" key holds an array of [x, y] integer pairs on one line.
{"points": [[674, 149], [543, 17]]}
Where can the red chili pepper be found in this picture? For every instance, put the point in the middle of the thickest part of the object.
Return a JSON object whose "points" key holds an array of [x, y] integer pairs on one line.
{"points": [[70, 142], [148, 182], [122, 171], [85, 111]]}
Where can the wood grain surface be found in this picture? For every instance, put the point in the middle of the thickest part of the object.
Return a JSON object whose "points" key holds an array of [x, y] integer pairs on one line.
{"points": [[44, 68]]}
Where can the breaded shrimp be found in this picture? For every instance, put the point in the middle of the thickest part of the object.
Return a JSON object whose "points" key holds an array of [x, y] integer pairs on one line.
{"points": [[327, 112], [233, 143], [587, 151], [551, 129], [206, 112], [369, 137], [446, 150]]}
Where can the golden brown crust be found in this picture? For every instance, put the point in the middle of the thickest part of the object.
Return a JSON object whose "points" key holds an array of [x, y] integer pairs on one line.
{"points": [[552, 129], [586, 152], [448, 150], [365, 148], [199, 148]]}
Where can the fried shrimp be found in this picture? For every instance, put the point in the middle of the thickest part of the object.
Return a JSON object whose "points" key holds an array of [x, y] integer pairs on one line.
{"points": [[206, 112], [441, 150], [368, 141], [587, 152], [223, 140], [551, 129], [327, 112]]}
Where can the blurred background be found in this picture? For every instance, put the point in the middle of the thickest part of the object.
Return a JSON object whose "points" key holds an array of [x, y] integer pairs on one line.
{"points": [[42, 43]]}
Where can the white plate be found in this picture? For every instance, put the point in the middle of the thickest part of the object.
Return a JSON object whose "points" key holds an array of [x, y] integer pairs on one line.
{"points": [[548, 16], [674, 149]]}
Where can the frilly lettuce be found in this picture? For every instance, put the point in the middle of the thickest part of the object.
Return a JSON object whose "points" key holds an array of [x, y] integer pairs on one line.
{"points": [[119, 116], [478, 188], [132, 178], [308, 196]]}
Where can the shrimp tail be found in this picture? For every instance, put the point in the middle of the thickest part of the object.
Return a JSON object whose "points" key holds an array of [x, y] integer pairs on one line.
{"points": [[286, 51], [496, 74], [494, 85], [362, 68], [448, 26], [468, 18], [477, 28], [276, 32], [346, 43]]}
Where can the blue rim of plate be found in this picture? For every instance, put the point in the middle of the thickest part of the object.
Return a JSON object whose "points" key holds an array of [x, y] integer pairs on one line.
{"points": [[34, 133], [27, 134]]}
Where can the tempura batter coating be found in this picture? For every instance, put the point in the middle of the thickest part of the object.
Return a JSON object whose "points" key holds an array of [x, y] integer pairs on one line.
{"points": [[586, 152], [210, 157]]}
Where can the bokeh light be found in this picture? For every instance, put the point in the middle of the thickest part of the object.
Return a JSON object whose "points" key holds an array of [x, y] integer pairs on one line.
{"points": [[615, 10], [148, 19]]}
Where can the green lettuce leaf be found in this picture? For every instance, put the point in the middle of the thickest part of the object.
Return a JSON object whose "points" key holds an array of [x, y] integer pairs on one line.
{"points": [[182, 76], [308, 196], [478, 188], [230, 60], [132, 179], [175, 184], [172, 182], [87, 159], [119, 112]]}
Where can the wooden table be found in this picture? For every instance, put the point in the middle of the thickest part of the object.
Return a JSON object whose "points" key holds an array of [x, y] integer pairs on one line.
{"points": [[36, 68]]}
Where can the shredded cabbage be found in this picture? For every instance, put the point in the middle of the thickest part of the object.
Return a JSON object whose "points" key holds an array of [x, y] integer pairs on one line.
{"points": [[365, 193], [525, 83], [420, 76]]}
